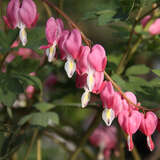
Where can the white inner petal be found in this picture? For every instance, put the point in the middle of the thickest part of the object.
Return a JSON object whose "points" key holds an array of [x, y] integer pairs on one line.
{"points": [[108, 116], [90, 80], [70, 67], [128, 141], [23, 36], [50, 52], [85, 98], [149, 143]]}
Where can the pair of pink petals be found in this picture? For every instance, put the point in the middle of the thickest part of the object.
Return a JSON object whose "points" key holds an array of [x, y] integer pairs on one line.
{"points": [[25, 13], [94, 58]]}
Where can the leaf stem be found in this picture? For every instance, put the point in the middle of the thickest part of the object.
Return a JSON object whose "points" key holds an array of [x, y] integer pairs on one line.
{"points": [[39, 154], [31, 144]]}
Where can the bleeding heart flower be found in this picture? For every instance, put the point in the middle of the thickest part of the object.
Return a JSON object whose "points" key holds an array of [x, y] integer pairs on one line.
{"points": [[148, 126], [132, 98], [54, 29], [96, 63], [129, 122], [70, 44], [107, 94], [155, 27], [21, 16], [97, 58]]}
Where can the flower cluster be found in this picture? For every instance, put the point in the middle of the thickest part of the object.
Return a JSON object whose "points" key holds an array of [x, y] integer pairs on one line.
{"points": [[89, 65], [129, 117]]}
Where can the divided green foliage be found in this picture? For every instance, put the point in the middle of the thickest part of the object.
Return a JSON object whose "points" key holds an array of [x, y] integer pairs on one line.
{"points": [[10, 87], [6, 40], [156, 71], [30, 80], [40, 119], [36, 38], [137, 70], [104, 14], [25, 66], [44, 106]]}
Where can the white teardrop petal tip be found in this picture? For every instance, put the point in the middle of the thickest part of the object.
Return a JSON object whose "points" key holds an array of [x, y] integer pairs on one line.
{"points": [[23, 36], [90, 81], [70, 67], [108, 116], [85, 98]]}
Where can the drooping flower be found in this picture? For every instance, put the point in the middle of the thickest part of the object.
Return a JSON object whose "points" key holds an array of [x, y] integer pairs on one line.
{"points": [[22, 15], [154, 28], [107, 94], [148, 126], [97, 61], [54, 29], [70, 45], [129, 122], [111, 101]]}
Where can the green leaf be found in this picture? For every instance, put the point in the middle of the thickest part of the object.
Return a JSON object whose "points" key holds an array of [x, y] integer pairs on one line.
{"points": [[36, 38], [6, 39], [23, 66], [105, 16], [137, 70], [24, 119], [156, 71], [137, 84], [30, 80], [44, 106], [10, 87], [40, 119], [119, 81]]}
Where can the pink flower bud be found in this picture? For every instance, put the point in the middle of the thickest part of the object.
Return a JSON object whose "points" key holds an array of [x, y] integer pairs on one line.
{"points": [[155, 27], [148, 125], [145, 20], [132, 98], [30, 91]]}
